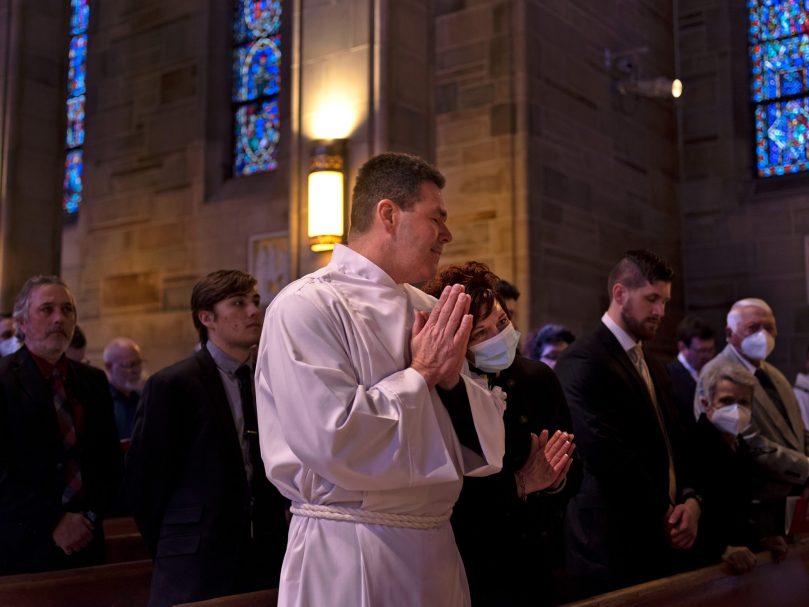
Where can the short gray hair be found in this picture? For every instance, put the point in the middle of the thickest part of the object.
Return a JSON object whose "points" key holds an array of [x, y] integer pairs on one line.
{"points": [[713, 375], [735, 312], [20, 314]]}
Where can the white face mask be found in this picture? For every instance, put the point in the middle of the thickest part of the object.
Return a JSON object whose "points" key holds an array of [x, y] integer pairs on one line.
{"points": [[496, 353], [759, 345], [9, 346], [731, 419]]}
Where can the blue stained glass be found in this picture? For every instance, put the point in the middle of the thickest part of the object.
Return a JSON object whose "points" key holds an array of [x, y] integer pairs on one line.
{"points": [[72, 183], [782, 137], [256, 134], [79, 16], [772, 19], [75, 122], [255, 19], [77, 67], [780, 68], [257, 70]]}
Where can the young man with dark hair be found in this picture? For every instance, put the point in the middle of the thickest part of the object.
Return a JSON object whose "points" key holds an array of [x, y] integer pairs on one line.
{"points": [[635, 506], [696, 344], [60, 466], [211, 519]]}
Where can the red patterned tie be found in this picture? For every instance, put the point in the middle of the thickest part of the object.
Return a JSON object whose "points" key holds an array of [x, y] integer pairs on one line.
{"points": [[67, 428]]}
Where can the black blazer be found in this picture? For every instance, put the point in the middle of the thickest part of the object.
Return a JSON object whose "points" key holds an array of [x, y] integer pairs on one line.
{"points": [[615, 525], [683, 387], [510, 547], [188, 491], [32, 460]]}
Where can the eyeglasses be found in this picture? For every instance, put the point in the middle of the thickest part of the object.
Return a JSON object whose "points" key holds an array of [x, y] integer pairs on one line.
{"points": [[133, 364]]}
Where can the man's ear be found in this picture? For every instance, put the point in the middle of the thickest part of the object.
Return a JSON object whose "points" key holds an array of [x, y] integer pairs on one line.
{"points": [[387, 213], [619, 293], [681, 346], [206, 317]]}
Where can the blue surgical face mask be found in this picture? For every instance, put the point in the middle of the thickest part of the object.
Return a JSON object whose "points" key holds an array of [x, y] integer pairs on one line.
{"points": [[496, 353]]}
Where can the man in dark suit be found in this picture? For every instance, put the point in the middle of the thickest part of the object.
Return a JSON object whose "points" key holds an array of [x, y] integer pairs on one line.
{"points": [[59, 460], [196, 483], [696, 343], [634, 505]]}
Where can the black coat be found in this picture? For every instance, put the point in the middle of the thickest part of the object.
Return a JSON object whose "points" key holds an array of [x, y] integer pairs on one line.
{"points": [[724, 479], [616, 532], [188, 491], [510, 546], [683, 387], [32, 459]]}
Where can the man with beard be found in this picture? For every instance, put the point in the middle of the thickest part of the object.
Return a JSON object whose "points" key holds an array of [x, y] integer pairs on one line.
{"points": [[59, 461], [634, 508]]}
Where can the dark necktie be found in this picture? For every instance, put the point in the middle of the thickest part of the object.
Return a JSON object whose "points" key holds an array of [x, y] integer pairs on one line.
{"points": [[67, 428], [245, 377], [769, 387]]}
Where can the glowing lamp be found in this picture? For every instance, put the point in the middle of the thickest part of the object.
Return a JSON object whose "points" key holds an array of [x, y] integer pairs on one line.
{"points": [[326, 225]]}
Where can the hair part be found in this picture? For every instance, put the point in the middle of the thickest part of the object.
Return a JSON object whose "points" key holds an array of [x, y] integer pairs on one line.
{"points": [[479, 282], [638, 267], [394, 176], [21, 303], [735, 313], [215, 287], [710, 379], [693, 327]]}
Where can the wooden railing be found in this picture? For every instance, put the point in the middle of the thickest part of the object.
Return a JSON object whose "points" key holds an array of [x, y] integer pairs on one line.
{"points": [[770, 584]]}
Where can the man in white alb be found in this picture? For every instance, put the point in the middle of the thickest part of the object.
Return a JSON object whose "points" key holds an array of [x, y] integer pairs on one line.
{"points": [[366, 421]]}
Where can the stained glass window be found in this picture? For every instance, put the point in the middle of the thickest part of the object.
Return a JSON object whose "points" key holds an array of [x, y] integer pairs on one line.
{"points": [[256, 85], [74, 138], [779, 57]]}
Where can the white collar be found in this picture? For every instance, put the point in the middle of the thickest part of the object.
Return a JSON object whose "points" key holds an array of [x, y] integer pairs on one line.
{"points": [[689, 368], [625, 339]]}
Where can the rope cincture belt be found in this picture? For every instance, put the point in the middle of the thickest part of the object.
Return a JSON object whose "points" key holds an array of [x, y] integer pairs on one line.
{"points": [[366, 517]]}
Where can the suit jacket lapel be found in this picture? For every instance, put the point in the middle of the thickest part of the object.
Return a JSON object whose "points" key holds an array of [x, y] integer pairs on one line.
{"points": [[614, 348]]}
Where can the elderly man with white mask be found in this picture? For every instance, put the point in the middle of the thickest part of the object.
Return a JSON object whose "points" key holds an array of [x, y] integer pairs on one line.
{"points": [[776, 433]]}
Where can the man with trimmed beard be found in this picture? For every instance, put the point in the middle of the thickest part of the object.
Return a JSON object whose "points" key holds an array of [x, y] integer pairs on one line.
{"points": [[635, 507], [59, 461]]}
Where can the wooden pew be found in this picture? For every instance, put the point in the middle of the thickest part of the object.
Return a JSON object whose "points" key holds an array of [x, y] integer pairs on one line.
{"points": [[117, 585], [784, 584], [123, 541], [262, 598]]}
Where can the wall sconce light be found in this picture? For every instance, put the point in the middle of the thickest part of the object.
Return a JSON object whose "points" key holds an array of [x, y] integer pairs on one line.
{"points": [[626, 64], [326, 225], [660, 88]]}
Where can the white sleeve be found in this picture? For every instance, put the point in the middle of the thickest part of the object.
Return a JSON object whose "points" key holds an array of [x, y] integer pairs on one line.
{"points": [[362, 438]]}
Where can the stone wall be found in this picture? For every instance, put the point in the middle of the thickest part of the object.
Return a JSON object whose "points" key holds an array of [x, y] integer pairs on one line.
{"points": [[743, 236], [552, 173], [33, 74], [161, 208]]}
